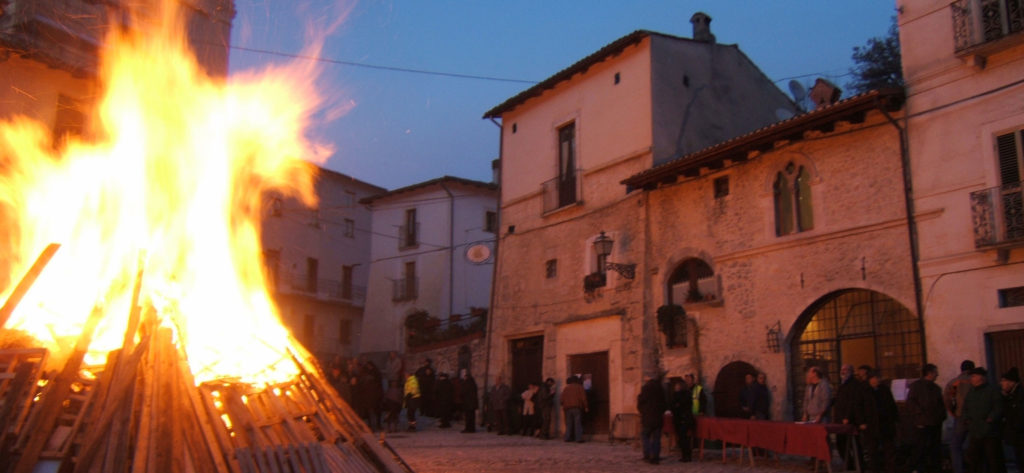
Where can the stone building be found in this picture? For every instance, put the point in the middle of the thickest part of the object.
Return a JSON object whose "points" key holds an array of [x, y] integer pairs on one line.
{"points": [[49, 52], [432, 255], [787, 248], [566, 143], [963, 63], [318, 261]]}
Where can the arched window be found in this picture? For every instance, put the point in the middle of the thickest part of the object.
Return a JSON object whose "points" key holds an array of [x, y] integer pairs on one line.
{"points": [[692, 281], [857, 327], [791, 193]]}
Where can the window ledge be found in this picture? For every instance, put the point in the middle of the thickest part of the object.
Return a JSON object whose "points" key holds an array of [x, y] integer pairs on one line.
{"points": [[578, 203], [700, 304]]}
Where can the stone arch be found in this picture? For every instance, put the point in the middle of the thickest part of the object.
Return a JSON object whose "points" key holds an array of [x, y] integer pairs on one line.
{"points": [[858, 327], [728, 385]]}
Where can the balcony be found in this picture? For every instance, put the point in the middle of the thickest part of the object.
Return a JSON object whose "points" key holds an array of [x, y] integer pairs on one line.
{"points": [[404, 289], [998, 217], [408, 236], [563, 191], [331, 290], [981, 27]]}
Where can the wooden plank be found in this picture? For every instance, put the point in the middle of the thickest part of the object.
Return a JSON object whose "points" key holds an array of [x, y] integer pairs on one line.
{"points": [[119, 393], [199, 428], [52, 404], [26, 283]]}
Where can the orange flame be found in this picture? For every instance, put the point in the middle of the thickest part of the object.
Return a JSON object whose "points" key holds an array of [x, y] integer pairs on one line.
{"points": [[175, 167]]}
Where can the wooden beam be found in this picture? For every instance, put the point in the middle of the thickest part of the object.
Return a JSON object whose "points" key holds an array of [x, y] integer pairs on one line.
{"points": [[26, 282]]}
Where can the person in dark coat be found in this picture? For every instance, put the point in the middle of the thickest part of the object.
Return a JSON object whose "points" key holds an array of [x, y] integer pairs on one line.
{"points": [[754, 398], [470, 402], [652, 406], [425, 376], [926, 411], [762, 398], [498, 402], [1013, 415], [392, 405], [370, 394], [444, 400], [854, 405], [546, 406], [681, 405], [882, 444], [983, 413]]}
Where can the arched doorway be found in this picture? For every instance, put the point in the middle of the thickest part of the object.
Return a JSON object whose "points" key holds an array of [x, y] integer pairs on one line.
{"points": [[728, 385], [857, 327]]}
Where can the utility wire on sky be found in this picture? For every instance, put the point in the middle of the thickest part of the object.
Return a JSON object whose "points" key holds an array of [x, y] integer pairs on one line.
{"points": [[385, 68]]}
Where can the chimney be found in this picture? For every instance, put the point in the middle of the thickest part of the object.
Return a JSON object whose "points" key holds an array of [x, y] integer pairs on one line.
{"points": [[824, 93], [702, 28]]}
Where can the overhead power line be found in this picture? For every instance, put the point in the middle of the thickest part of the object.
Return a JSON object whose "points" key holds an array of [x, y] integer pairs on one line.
{"points": [[379, 67]]}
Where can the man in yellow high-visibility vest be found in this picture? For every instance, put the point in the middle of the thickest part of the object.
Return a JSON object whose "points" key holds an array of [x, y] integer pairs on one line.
{"points": [[412, 400]]}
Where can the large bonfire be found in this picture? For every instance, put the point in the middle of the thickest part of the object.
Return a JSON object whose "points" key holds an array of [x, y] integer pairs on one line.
{"points": [[160, 348]]}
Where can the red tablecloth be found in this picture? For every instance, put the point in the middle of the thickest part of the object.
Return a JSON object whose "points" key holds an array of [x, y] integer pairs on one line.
{"points": [[809, 440]]}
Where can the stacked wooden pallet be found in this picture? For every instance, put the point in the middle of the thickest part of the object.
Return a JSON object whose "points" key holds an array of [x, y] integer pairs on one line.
{"points": [[142, 411]]}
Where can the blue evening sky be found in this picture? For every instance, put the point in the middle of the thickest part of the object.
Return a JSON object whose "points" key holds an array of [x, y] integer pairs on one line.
{"points": [[406, 127]]}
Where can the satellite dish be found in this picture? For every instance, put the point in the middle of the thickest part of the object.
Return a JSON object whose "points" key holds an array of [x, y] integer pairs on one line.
{"points": [[478, 253], [799, 93], [784, 114]]}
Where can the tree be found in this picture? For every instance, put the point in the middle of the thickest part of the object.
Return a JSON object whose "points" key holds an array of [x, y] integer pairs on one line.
{"points": [[877, 64]]}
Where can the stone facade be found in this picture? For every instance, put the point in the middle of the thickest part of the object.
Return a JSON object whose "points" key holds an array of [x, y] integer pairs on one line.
{"points": [[859, 241]]}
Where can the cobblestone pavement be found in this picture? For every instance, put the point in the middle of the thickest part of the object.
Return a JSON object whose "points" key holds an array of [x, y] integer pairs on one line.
{"points": [[433, 450]]}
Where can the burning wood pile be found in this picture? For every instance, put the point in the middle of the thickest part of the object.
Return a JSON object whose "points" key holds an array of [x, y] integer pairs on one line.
{"points": [[189, 368], [142, 411]]}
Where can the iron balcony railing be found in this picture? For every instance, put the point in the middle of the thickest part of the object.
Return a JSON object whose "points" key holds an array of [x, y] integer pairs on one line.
{"points": [[404, 289], [408, 236], [321, 288], [998, 216], [977, 22], [563, 191]]}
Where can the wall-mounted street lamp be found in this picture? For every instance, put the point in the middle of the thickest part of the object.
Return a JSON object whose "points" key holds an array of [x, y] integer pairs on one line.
{"points": [[603, 247]]}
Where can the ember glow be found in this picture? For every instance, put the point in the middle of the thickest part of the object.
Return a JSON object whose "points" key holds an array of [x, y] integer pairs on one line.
{"points": [[172, 171]]}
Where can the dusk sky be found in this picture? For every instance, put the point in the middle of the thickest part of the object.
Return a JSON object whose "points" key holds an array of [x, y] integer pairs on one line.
{"points": [[406, 127]]}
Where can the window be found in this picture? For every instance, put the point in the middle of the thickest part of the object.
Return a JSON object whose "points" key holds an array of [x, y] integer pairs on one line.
{"points": [[344, 331], [408, 231], [551, 268], [567, 165], [272, 261], [1011, 160], [309, 331], [312, 268], [977, 22], [350, 228], [349, 200], [275, 207], [491, 222], [404, 289], [721, 185], [692, 281], [314, 218], [1011, 297], [69, 121], [791, 193], [346, 282]]}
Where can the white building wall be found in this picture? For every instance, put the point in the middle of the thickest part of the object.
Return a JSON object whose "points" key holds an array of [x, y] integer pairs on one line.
{"points": [[447, 281], [957, 103]]}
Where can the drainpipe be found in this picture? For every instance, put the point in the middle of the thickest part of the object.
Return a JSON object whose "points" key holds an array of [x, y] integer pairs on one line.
{"points": [[494, 267], [908, 199], [451, 249]]}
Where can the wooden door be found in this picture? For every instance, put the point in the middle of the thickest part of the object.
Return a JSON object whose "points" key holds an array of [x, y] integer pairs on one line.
{"points": [[596, 366]]}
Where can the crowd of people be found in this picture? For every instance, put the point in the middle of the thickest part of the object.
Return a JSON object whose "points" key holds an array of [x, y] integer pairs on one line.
{"points": [[987, 419]]}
